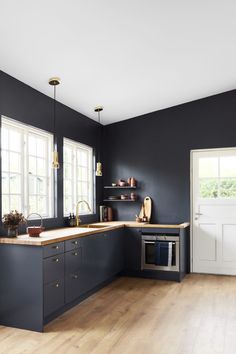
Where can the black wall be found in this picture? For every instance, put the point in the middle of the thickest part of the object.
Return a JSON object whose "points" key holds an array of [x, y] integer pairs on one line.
{"points": [[155, 149], [21, 102]]}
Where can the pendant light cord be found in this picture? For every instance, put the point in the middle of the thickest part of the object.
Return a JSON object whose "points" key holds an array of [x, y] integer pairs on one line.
{"points": [[54, 111]]}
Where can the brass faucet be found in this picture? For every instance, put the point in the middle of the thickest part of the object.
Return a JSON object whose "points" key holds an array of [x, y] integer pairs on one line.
{"points": [[77, 210]]}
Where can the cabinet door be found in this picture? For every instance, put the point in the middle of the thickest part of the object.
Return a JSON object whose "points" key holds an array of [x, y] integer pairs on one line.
{"points": [[53, 297], [132, 242], [115, 263], [74, 274], [95, 251]]}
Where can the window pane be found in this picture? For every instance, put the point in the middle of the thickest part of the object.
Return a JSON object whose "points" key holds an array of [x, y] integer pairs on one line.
{"points": [[41, 167], [4, 139], [82, 158], [32, 185], [32, 165], [228, 188], [5, 183], [68, 208], [27, 167], [15, 141], [208, 188], [67, 171], [15, 163], [15, 184], [78, 175], [15, 203], [42, 205], [32, 145], [67, 154], [208, 167], [68, 187], [83, 173], [5, 165], [41, 185], [228, 166], [41, 147], [5, 204], [32, 204]]}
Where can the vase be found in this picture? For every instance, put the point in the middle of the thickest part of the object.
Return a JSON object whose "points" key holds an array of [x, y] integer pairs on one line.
{"points": [[12, 231]]}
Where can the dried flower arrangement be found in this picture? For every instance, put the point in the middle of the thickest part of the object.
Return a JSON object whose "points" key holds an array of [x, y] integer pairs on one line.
{"points": [[13, 219]]}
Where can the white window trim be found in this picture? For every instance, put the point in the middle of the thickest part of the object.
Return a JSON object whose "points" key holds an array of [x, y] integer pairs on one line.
{"points": [[24, 163], [75, 144]]}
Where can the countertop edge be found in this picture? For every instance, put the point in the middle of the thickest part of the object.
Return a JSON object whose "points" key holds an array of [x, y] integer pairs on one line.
{"points": [[25, 240]]}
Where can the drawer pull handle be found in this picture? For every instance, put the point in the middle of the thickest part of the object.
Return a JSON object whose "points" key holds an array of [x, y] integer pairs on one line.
{"points": [[75, 276], [56, 247], [75, 242], [57, 285], [56, 260], [75, 254]]}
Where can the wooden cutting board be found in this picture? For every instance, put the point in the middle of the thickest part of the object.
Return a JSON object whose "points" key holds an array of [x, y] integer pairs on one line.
{"points": [[146, 209]]}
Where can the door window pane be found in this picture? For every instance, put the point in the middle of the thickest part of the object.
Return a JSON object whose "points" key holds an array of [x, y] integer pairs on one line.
{"points": [[228, 166], [227, 188], [208, 167], [208, 188]]}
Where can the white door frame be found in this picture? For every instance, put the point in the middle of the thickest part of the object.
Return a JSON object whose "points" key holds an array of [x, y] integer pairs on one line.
{"points": [[191, 195]]}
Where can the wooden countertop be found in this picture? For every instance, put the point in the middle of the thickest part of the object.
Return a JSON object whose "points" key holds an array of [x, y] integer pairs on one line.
{"points": [[67, 233]]}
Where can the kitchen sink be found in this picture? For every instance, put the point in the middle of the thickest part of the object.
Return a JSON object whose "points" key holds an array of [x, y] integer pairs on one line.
{"points": [[91, 226]]}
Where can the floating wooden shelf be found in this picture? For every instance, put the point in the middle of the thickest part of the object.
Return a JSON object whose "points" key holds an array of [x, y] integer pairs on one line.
{"points": [[120, 187], [119, 200]]}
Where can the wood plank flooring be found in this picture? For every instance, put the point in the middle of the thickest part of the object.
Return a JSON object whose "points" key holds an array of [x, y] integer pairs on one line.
{"points": [[141, 316]]}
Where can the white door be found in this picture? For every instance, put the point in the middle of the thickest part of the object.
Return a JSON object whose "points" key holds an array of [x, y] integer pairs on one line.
{"points": [[214, 211]]}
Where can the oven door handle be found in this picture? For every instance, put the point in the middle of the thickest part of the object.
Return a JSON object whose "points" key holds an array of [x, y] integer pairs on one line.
{"points": [[150, 242]]}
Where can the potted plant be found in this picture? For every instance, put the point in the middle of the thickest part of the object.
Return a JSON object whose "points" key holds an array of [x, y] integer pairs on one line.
{"points": [[12, 221]]}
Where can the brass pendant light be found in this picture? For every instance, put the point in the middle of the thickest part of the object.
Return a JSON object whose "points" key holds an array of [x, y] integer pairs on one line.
{"points": [[99, 109], [54, 81]]}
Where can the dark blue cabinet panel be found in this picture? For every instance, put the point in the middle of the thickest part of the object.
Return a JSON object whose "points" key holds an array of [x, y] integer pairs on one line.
{"points": [[133, 242], [115, 252], [73, 244], [53, 297], [53, 268], [53, 249]]}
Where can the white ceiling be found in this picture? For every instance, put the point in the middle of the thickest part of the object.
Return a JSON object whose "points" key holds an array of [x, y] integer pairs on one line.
{"points": [[131, 56]]}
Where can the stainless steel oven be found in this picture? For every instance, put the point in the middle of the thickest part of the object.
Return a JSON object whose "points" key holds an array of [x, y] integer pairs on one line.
{"points": [[160, 252]]}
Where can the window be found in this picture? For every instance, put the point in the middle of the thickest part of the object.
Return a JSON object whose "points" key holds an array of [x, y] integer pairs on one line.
{"points": [[217, 176], [27, 176], [78, 176]]}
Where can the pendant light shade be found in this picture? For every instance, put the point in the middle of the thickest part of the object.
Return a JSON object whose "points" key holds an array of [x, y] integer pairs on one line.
{"points": [[54, 81], [98, 109]]}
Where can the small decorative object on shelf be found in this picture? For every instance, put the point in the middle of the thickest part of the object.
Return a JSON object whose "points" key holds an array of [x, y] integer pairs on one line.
{"points": [[133, 196], [34, 231], [133, 182], [12, 221], [121, 183], [113, 184]]}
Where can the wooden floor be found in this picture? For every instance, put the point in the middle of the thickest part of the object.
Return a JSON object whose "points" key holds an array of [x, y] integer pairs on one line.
{"points": [[141, 316]]}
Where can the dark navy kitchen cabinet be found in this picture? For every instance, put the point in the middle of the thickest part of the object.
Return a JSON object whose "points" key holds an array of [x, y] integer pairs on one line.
{"points": [[132, 245], [116, 251]]}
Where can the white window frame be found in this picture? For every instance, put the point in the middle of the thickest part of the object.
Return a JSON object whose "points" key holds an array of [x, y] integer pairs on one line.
{"points": [[25, 131], [75, 146]]}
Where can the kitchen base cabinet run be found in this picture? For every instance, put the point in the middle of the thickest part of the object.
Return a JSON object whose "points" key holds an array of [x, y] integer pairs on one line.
{"points": [[37, 283]]}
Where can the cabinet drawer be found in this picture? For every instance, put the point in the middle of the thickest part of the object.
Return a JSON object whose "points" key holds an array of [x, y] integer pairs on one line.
{"points": [[73, 260], [53, 249], [74, 286], [53, 297], [53, 268], [73, 244]]}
